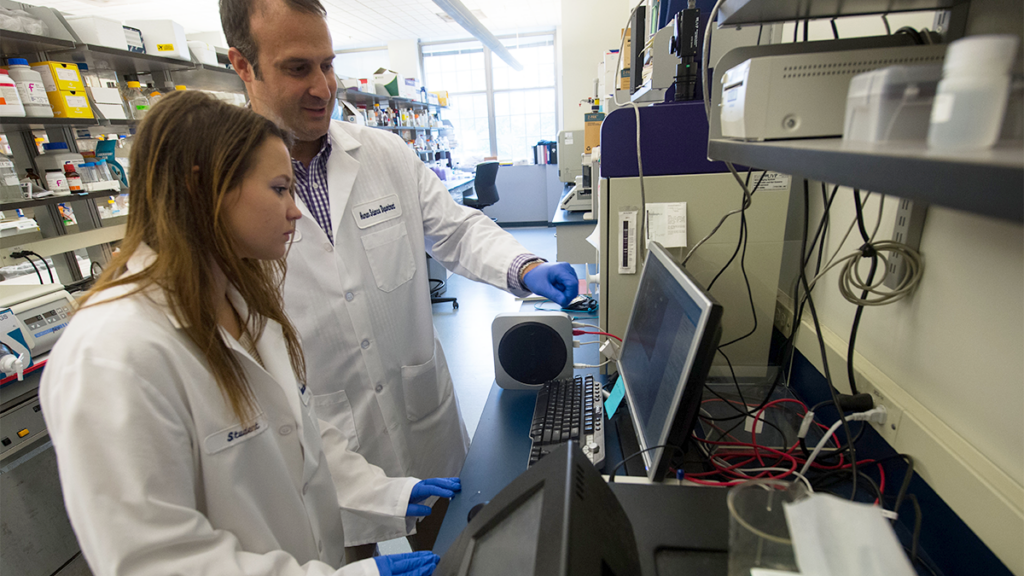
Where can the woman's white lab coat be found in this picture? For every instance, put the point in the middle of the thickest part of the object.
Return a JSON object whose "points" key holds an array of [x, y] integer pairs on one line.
{"points": [[159, 477], [362, 306]]}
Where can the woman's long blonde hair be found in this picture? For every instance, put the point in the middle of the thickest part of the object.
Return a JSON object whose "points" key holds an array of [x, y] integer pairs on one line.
{"points": [[189, 152]]}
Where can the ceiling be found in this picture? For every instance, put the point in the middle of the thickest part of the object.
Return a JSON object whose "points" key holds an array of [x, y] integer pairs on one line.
{"points": [[353, 23]]}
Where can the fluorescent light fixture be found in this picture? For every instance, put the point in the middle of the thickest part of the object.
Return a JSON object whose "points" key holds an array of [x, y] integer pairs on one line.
{"points": [[458, 11]]}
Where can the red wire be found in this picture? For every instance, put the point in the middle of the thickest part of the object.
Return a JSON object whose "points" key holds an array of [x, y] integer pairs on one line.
{"points": [[577, 332]]}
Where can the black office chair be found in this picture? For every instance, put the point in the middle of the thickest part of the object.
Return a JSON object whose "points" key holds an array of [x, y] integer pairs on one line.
{"points": [[484, 192]]}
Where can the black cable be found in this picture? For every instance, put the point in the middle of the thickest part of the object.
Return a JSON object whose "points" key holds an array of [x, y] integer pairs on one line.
{"points": [[821, 340], [867, 251], [885, 19], [29, 260], [611, 477], [43, 260], [835, 31], [916, 538], [760, 29], [93, 265], [746, 280], [918, 39], [826, 221], [818, 483], [742, 237], [806, 23], [796, 28]]}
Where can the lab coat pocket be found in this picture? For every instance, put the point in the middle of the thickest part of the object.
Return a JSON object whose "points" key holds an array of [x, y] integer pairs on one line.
{"points": [[334, 408], [390, 257], [424, 389]]}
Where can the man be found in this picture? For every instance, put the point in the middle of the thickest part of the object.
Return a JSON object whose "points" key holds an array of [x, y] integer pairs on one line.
{"points": [[357, 285]]}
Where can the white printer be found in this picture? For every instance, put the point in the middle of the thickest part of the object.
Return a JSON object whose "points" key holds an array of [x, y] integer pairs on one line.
{"points": [[803, 95]]}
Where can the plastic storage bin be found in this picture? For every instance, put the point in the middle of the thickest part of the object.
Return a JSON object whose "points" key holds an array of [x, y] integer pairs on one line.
{"points": [[891, 103], [100, 31], [163, 38]]}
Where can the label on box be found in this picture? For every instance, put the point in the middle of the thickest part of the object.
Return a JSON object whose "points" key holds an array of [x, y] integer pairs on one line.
{"points": [[165, 47], [77, 101], [66, 74]]}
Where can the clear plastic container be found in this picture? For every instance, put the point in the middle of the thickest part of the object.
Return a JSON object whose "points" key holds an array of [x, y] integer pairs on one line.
{"points": [[10, 188], [31, 89], [971, 98], [10, 100], [138, 104], [103, 170], [88, 173]]}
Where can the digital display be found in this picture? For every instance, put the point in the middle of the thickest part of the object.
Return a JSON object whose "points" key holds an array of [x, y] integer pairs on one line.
{"points": [[33, 320], [50, 314]]}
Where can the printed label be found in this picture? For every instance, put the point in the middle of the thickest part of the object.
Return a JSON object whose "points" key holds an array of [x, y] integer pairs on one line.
{"points": [[627, 242], [377, 211], [66, 74], [77, 101], [770, 181], [234, 435], [165, 47], [33, 93]]}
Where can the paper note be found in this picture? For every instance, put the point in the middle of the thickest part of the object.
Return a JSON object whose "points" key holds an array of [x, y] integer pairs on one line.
{"points": [[666, 224], [611, 404]]}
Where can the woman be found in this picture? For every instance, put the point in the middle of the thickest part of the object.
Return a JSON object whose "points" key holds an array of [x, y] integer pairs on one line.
{"points": [[185, 436]]}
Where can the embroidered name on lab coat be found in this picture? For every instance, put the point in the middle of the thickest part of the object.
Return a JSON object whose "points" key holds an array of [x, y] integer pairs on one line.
{"points": [[234, 435], [377, 211]]}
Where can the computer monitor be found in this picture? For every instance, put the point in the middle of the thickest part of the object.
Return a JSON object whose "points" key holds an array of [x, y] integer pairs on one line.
{"points": [[559, 518], [670, 341]]}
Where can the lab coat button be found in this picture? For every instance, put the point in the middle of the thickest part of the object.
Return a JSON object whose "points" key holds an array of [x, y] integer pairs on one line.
{"points": [[365, 344], [328, 247], [349, 296], [379, 388], [285, 430]]}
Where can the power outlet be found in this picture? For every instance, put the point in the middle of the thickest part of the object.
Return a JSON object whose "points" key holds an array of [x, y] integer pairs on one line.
{"points": [[783, 318], [906, 230], [894, 412]]}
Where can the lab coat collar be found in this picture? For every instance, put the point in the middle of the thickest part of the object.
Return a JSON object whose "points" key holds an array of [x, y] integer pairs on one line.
{"points": [[342, 169]]}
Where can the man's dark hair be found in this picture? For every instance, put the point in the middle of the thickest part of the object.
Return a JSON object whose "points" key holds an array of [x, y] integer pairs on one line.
{"points": [[236, 18]]}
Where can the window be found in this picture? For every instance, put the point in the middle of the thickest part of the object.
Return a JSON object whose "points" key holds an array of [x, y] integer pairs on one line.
{"points": [[495, 110]]}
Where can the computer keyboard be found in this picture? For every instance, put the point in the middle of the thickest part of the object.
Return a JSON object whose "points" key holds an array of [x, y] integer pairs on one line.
{"points": [[568, 409]]}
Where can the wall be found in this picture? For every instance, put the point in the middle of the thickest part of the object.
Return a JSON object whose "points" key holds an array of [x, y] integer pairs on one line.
{"points": [[404, 58], [589, 28], [524, 194]]}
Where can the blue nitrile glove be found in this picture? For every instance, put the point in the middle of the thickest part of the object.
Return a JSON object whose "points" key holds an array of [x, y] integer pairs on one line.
{"points": [[408, 564], [443, 487], [556, 281]]}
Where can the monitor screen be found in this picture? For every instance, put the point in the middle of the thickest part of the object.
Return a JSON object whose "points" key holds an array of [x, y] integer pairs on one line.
{"points": [[666, 353]]}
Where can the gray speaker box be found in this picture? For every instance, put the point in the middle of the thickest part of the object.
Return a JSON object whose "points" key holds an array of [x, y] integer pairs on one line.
{"points": [[531, 349]]}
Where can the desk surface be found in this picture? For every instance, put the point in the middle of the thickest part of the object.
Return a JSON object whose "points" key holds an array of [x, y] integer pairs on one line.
{"points": [[459, 181]]}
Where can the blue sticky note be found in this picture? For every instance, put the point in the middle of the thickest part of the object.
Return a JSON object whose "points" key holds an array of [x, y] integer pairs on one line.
{"points": [[611, 404]]}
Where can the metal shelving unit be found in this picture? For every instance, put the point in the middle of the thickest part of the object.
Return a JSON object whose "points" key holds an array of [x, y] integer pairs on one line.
{"points": [[122, 61], [14, 43], [995, 178], [733, 12], [34, 203], [16, 123]]}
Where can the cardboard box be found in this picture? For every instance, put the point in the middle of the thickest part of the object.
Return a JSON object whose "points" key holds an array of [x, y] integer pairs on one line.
{"points": [[390, 80], [442, 97], [107, 101], [432, 98], [100, 31], [70, 104], [59, 76], [163, 38], [592, 131], [409, 88]]}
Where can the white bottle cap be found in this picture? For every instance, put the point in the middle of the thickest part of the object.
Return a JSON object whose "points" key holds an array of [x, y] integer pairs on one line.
{"points": [[981, 55]]}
